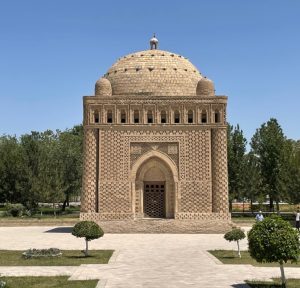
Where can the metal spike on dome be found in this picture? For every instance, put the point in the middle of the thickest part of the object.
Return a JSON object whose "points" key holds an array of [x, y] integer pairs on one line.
{"points": [[153, 42]]}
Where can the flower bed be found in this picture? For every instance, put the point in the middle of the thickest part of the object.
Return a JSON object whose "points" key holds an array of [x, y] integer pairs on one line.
{"points": [[36, 253]]}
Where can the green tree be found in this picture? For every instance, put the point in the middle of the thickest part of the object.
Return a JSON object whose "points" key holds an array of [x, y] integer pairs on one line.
{"points": [[88, 230], [251, 178], [56, 154], [268, 145], [50, 171], [31, 147], [13, 181], [41, 167], [274, 240], [236, 235], [296, 145], [70, 152], [294, 173], [236, 145]]}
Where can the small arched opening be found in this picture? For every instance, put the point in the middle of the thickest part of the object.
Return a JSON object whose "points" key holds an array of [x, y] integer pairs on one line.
{"points": [[109, 117], [190, 117], [149, 117], [136, 116], [176, 117], [217, 116], [163, 117], [123, 116], [203, 116], [96, 117]]}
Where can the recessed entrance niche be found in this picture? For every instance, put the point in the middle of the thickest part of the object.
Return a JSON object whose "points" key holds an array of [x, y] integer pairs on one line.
{"points": [[155, 189]]}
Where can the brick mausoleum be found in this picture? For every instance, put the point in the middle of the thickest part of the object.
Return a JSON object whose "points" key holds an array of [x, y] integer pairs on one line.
{"points": [[154, 142]]}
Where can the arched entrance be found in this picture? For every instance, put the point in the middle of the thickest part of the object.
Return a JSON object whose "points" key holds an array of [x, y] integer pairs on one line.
{"points": [[154, 193], [154, 183]]}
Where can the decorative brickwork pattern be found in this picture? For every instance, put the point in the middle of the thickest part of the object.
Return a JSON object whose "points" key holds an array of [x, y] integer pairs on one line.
{"points": [[86, 112], [105, 216], [162, 137], [112, 156], [173, 149], [203, 216], [140, 148], [195, 189], [154, 104], [195, 197], [137, 205], [89, 185], [135, 151], [197, 147], [225, 114], [219, 170], [115, 197]]}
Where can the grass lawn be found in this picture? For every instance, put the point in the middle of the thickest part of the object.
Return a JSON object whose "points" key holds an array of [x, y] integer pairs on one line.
{"points": [[231, 257], [69, 258], [39, 221], [291, 283], [47, 282]]}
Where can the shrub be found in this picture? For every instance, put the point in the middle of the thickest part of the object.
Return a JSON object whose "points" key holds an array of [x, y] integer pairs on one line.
{"points": [[274, 240], [2, 283], [88, 230], [36, 253], [15, 210], [235, 234]]}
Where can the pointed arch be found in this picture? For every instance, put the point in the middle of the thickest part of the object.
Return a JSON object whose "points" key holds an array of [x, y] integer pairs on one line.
{"points": [[154, 154], [164, 173]]}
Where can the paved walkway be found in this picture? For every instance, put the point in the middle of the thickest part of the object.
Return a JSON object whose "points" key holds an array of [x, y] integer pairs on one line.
{"points": [[140, 260]]}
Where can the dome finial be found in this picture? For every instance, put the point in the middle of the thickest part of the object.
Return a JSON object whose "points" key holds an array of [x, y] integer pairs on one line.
{"points": [[153, 42]]}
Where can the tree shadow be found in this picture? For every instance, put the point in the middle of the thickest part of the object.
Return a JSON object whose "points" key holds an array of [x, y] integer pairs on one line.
{"points": [[80, 256], [60, 230], [242, 285], [262, 285]]}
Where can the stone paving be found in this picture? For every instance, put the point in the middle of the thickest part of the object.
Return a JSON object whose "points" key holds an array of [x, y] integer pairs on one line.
{"points": [[140, 260]]}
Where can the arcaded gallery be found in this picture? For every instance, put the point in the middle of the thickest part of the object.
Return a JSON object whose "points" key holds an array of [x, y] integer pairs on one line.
{"points": [[154, 142]]}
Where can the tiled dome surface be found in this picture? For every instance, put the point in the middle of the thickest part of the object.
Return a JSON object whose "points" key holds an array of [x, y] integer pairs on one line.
{"points": [[153, 73]]}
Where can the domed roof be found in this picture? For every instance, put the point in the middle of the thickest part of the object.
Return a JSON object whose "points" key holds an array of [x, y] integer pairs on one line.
{"points": [[153, 73], [103, 87], [205, 87]]}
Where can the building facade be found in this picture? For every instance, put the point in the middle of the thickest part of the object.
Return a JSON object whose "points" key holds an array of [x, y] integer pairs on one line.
{"points": [[155, 142]]}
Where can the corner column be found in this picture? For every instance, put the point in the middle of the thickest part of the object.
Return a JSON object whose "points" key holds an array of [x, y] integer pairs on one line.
{"points": [[219, 170], [89, 194]]}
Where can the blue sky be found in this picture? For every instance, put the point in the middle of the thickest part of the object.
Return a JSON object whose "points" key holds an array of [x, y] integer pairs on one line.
{"points": [[52, 52]]}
